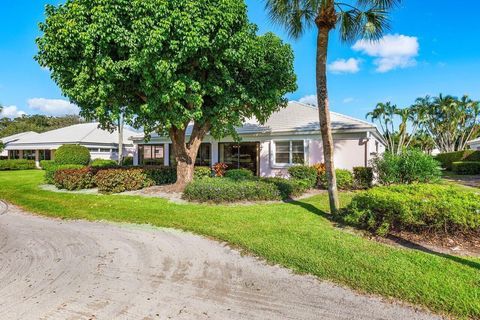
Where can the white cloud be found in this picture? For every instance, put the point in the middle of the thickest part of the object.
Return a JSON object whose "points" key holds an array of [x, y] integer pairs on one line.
{"points": [[351, 65], [348, 100], [54, 107], [310, 100], [392, 51], [11, 112]]}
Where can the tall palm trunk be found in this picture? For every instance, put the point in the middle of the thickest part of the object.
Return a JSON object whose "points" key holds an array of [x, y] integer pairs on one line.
{"points": [[324, 115]]}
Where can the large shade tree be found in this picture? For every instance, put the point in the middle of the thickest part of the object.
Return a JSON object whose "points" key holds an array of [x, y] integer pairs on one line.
{"points": [[177, 67], [355, 19]]}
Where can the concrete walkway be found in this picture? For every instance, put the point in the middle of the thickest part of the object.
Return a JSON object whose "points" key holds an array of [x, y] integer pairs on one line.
{"points": [[52, 269]]}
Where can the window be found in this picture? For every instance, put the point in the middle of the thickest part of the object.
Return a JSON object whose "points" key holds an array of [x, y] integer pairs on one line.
{"points": [[240, 155], [151, 154], [289, 152], [45, 155], [29, 154], [204, 155], [105, 150], [14, 154]]}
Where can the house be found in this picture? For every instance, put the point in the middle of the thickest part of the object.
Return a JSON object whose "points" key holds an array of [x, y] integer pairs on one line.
{"points": [[41, 146], [290, 136], [474, 144], [10, 139]]}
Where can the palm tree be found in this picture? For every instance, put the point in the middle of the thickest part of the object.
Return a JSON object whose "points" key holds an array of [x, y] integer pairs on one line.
{"points": [[356, 19]]}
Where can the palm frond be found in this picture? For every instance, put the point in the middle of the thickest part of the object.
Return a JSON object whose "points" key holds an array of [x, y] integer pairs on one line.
{"points": [[380, 4], [296, 16]]}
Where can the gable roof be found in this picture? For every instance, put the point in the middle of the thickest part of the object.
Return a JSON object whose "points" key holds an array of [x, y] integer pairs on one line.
{"points": [[17, 136]]}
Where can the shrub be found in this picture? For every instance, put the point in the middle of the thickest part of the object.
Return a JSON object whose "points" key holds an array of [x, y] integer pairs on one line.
{"points": [[466, 167], [227, 190], [219, 169], [72, 154], [202, 172], [363, 177], [45, 164], [127, 161], [101, 163], [120, 180], [320, 167], [411, 166], [161, 175], [418, 207], [344, 180], [447, 159], [53, 167], [17, 164], [289, 188], [305, 173], [74, 179], [239, 174]]}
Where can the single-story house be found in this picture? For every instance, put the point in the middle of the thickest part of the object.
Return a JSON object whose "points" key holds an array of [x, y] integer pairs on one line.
{"points": [[12, 138], [474, 144], [290, 136], [101, 143]]}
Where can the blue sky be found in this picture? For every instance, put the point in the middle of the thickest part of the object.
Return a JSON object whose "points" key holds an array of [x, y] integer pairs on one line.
{"points": [[431, 48]]}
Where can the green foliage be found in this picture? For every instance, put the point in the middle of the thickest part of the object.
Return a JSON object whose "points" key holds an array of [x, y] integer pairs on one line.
{"points": [[161, 175], [45, 164], [220, 190], [466, 167], [447, 159], [72, 154], [17, 164], [305, 173], [127, 161], [363, 177], [344, 180], [35, 123], [289, 188], [417, 208], [101, 163], [121, 180], [202, 172], [50, 170], [239, 174], [74, 179], [411, 166]]}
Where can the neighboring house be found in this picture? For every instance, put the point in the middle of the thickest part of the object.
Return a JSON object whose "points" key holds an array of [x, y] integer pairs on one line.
{"points": [[290, 136], [9, 139], [474, 144], [101, 143]]}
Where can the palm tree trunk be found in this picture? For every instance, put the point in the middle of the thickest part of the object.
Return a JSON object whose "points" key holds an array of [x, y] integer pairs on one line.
{"points": [[324, 115]]}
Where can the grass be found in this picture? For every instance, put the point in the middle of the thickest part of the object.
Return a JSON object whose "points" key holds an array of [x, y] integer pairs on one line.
{"points": [[297, 235]]}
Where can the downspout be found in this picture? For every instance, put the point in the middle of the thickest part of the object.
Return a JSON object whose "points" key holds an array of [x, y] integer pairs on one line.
{"points": [[366, 148]]}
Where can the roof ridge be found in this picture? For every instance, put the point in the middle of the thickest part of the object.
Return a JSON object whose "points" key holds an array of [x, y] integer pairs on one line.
{"points": [[90, 132]]}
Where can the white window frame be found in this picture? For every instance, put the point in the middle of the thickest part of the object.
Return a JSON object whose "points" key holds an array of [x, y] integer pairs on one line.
{"points": [[273, 153]]}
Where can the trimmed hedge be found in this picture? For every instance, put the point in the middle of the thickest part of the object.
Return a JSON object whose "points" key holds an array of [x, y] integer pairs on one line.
{"points": [[101, 163], [344, 180], [161, 175], [417, 208], [466, 167], [17, 164], [363, 177], [220, 190], [447, 159], [202, 172], [121, 180], [74, 179], [52, 168], [289, 188], [305, 173], [239, 174], [45, 164], [72, 154]]}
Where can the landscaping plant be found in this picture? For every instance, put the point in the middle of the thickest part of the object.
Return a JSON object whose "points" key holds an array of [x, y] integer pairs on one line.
{"points": [[306, 173], [51, 169], [121, 180], [72, 154], [17, 164], [363, 177], [466, 167], [219, 169], [74, 179], [101, 163], [239, 174], [447, 159], [344, 180], [202, 172]]}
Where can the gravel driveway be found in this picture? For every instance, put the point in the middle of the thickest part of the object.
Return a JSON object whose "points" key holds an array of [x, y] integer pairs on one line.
{"points": [[52, 269]]}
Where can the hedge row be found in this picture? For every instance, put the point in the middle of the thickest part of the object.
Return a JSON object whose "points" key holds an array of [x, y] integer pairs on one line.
{"points": [[466, 167], [17, 164], [447, 159]]}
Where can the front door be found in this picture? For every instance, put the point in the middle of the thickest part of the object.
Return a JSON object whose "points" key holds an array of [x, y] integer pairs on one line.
{"points": [[240, 155]]}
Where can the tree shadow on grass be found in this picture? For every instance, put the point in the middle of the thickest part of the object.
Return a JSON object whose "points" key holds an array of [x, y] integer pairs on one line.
{"points": [[398, 240]]}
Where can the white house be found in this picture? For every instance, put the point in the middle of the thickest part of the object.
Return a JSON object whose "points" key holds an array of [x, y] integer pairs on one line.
{"points": [[41, 146], [474, 144], [10, 139], [291, 136]]}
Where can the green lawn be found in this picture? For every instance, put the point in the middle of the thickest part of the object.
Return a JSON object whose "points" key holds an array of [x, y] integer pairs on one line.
{"points": [[296, 235]]}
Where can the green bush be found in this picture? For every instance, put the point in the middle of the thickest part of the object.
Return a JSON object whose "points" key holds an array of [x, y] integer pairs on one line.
{"points": [[447, 159], [344, 180], [363, 177], [202, 172], [127, 161], [74, 179], [305, 173], [45, 164], [466, 167], [17, 164], [51, 168], [417, 208], [120, 180], [289, 188], [412, 166], [101, 163], [161, 175], [220, 190], [239, 174], [72, 154]]}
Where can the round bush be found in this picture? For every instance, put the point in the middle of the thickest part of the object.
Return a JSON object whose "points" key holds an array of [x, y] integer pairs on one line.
{"points": [[239, 174], [72, 154]]}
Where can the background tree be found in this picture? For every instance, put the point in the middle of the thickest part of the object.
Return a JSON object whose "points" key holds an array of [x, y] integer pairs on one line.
{"points": [[360, 19], [37, 123], [183, 67]]}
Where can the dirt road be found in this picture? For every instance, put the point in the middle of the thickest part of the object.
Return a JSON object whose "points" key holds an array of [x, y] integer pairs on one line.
{"points": [[51, 269]]}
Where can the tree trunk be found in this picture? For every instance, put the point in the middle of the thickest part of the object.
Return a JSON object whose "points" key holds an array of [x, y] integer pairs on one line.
{"points": [[324, 115], [186, 152]]}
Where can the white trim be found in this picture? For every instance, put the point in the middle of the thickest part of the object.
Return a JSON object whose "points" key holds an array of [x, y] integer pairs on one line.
{"points": [[273, 152]]}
